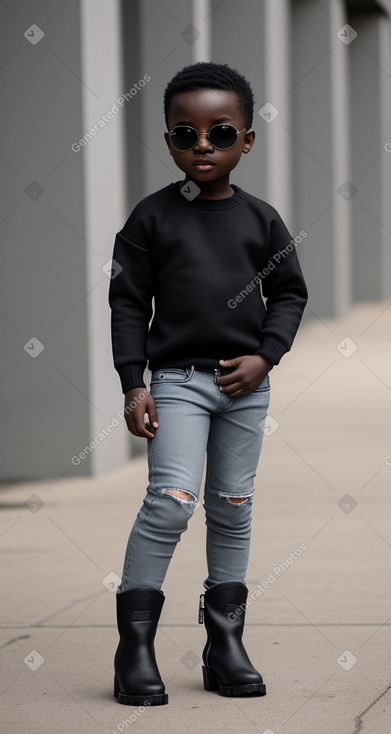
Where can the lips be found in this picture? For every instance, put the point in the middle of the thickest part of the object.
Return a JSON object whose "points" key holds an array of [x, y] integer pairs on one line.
{"points": [[203, 165], [203, 162]]}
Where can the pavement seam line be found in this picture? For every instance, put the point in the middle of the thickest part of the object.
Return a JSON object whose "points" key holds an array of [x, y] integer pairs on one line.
{"points": [[41, 622]]}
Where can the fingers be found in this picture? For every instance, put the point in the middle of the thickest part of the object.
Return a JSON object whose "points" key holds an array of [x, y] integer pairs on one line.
{"points": [[135, 418], [152, 412], [236, 391], [236, 384], [230, 388], [229, 362], [146, 432], [234, 362]]}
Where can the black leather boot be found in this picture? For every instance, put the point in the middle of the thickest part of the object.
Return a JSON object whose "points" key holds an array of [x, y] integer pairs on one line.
{"points": [[137, 679], [227, 668]]}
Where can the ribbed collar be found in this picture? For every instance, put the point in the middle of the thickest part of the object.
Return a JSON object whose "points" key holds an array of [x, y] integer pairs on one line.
{"points": [[208, 204]]}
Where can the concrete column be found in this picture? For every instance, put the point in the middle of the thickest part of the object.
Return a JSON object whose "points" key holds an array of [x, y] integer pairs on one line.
{"points": [[340, 122], [371, 163], [385, 138], [277, 65], [167, 36], [237, 31], [321, 165], [202, 22], [103, 91]]}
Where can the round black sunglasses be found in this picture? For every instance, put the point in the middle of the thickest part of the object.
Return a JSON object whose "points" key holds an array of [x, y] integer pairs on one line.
{"points": [[222, 136]]}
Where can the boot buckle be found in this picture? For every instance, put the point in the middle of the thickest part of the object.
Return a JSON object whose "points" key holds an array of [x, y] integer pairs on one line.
{"points": [[201, 609]]}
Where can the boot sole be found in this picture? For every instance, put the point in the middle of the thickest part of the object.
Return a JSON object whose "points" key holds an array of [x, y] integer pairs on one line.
{"points": [[158, 699], [211, 683]]}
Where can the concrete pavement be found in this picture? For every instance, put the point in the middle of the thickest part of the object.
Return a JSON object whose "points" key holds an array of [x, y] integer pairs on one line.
{"points": [[319, 625]]}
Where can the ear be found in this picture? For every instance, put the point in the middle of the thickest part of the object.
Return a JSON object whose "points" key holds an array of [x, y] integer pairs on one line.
{"points": [[168, 141], [248, 141]]}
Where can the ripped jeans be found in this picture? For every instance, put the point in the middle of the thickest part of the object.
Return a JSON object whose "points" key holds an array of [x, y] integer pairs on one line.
{"points": [[195, 418]]}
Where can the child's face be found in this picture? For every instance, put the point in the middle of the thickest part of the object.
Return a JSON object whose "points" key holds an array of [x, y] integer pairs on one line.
{"points": [[201, 109]]}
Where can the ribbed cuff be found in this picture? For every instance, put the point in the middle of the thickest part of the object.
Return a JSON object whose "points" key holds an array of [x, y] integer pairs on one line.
{"points": [[131, 375], [272, 348]]}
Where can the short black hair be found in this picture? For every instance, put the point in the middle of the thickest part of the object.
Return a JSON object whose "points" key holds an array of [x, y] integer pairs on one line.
{"points": [[209, 75]]}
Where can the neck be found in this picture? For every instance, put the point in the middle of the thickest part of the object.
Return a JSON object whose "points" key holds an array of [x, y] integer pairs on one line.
{"points": [[214, 189]]}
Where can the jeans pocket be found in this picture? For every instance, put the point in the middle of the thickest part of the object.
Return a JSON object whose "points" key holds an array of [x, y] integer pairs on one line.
{"points": [[172, 375], [264, 386]]}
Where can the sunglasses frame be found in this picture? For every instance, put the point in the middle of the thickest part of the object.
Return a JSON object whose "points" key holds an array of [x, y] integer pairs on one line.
{"points": [[219, 124]]}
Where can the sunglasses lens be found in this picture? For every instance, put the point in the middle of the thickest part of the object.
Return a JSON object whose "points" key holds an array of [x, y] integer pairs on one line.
{"points": [[184, 138], [223, 136], [220, 136]]}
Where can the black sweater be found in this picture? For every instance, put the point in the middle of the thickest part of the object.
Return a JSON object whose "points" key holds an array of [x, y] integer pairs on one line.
{"points": [[211, 266]]}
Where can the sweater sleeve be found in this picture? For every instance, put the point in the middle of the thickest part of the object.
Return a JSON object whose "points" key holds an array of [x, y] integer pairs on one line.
{"points": [[284, 288], [130, 300]]}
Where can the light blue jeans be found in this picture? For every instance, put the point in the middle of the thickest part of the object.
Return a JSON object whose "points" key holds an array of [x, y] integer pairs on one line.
{"points": [[196, 417]]}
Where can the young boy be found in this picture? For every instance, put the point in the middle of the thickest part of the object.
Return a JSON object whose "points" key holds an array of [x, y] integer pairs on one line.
{"points": [[211, 255]]}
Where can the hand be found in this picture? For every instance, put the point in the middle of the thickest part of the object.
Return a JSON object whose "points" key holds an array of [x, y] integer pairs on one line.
{"points": [[251, 370], [134, 414]]}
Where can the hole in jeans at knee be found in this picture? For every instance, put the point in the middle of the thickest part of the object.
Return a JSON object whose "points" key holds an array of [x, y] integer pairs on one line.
{"points": [[181, 495], [236, 499]]}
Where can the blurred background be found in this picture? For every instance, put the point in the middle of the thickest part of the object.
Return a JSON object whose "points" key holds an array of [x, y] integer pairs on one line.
{"points": [[82, 126], [320, 71]]}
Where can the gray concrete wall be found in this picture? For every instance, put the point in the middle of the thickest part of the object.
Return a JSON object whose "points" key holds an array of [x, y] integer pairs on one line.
{"points": [[385, 138], [44, 396], [59, 213], [165, 47], [231, 23], [369, 94], [320, 151], [61, 208]]}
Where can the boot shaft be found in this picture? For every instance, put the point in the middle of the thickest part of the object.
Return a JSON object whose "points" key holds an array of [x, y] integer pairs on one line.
{"points": [[223, 609], [138, 605]]}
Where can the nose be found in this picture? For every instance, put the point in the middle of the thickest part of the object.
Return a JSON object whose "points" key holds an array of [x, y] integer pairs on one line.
{"points": [[203, 142]]}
